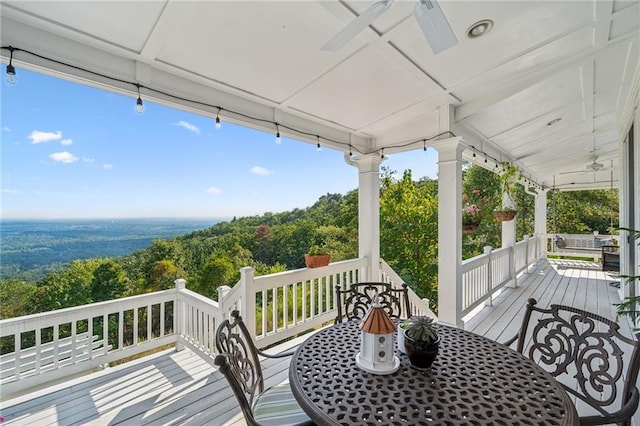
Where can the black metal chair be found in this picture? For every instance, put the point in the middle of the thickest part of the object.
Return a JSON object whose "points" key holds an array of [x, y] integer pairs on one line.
{"points": [[238, 361], [588, 355], [354, 302]]}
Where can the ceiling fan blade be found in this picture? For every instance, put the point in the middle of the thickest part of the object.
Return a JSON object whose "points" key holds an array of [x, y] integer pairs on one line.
{"points": [[357, 25], [589, 170], [434, 25]]}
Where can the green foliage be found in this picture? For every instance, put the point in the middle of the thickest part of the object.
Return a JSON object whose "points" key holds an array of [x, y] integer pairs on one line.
{"points": [[16, 297], [630, 305], [420, 330], [109, 281], [409, 230], [583, 212], [275, 242]]}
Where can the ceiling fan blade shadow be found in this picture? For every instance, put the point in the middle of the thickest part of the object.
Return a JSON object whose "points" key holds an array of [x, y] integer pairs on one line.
{"points": [[434, 25], [357, 25]]}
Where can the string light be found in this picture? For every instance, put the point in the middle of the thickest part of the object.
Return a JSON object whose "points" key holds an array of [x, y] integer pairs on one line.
{"points": [[278, 139], [497, 163], [218, 122], [139, 106], [424, 144], [318, 146], [11, 70]]}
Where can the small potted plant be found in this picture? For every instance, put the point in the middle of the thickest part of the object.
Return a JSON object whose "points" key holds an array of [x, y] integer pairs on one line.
{"points": [[630, 305], [507, 210], [421, 341], [317, 256]]}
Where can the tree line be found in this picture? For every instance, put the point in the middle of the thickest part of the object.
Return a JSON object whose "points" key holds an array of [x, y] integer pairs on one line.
{"points": [[275, 242]]}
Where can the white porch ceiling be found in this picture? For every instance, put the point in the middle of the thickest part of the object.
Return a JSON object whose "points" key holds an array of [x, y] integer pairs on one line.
{"points": [[576, 60]]}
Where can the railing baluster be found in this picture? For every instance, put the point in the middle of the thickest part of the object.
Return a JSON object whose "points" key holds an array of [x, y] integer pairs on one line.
{"points": [[18, 348], [38, 332], [149, 323], [134, 332], [74, 341], [121, 329]]}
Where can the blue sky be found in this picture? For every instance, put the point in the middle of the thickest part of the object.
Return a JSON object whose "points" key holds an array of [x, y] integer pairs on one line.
{"points": [[73, 151]]}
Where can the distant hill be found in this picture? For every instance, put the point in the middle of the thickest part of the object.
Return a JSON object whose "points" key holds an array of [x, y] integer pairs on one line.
{"points": [[29, 249]]}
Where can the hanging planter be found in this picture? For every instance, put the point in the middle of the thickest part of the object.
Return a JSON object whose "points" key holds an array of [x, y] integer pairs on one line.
{"points": [[508, 209], [470, 228], [504, 215]]}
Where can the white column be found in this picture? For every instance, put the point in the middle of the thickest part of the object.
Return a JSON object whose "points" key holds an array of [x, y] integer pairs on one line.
{"points": [[509, 233], [540, 222], [369, 211], [450, 231]]}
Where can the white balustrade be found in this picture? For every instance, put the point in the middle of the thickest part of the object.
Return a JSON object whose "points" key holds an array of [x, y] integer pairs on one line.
{"points": [[486, 274], [57, 345]]}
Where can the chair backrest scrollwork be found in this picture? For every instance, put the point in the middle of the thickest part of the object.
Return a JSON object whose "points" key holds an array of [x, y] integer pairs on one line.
{"points": [[354, 301], [588, 355], [238, 361]]}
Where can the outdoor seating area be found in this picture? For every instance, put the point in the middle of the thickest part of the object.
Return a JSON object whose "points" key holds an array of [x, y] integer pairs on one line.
{"points": [[182, 387], [549, 89]]}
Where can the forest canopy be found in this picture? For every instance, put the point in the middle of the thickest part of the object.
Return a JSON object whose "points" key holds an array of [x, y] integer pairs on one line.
{"points": [[275, 242]]}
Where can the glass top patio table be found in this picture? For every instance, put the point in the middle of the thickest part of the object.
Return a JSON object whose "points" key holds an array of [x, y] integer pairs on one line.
{"points": [[474, 381]]}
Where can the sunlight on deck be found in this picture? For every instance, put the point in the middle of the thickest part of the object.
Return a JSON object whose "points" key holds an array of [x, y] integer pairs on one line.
{"points": [[181, 388]]}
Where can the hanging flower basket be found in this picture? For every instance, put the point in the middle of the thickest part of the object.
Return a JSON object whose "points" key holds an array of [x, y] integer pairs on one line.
{"points": [[470, 228], [505, 215], [316, 260]]}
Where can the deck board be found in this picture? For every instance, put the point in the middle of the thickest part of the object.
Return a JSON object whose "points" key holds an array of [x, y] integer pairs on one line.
{"points": [[179, 388]]}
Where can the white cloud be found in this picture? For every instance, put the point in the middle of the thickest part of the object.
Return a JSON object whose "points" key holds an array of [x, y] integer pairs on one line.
{"points": [[63, 157], [107, 166], [191, 127], [88, 160], [9, 191], [261, 171], [5, 129], [215, 191], [37, 136], [66, 142]]}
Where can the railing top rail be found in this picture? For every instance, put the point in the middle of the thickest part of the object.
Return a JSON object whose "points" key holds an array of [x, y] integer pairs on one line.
{"points": [[97, 307]]}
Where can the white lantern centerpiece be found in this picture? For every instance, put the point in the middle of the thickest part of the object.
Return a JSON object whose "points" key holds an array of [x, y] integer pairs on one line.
{"points": [[376, 342]]}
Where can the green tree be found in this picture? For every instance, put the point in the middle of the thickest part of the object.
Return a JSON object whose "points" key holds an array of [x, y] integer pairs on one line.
{"points": [[409, 230], [16, 298], [109, 281], [219, 270]]}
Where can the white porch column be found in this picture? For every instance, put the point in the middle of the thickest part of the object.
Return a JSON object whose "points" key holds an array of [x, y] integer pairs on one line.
{"points": [[509, 233], [450, 231], [369, 211], [540, 221]]}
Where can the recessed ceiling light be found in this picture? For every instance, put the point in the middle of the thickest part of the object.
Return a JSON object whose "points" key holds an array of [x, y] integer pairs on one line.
{"points": [[554, 121], [480, 28]]}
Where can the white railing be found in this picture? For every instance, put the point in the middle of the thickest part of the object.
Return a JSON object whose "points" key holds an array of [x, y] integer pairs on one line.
{"points": [[62, 344], [68, 342], [579, 245], [484, 275], [418, 305]]}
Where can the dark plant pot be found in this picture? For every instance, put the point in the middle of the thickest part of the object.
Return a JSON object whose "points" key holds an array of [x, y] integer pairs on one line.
{"points": [[470, 228], [316, 260], [421, 356], [506, 215]]}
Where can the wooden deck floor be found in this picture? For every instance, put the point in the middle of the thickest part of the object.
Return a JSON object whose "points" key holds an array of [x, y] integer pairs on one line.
{"points": [[172, 388]]}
